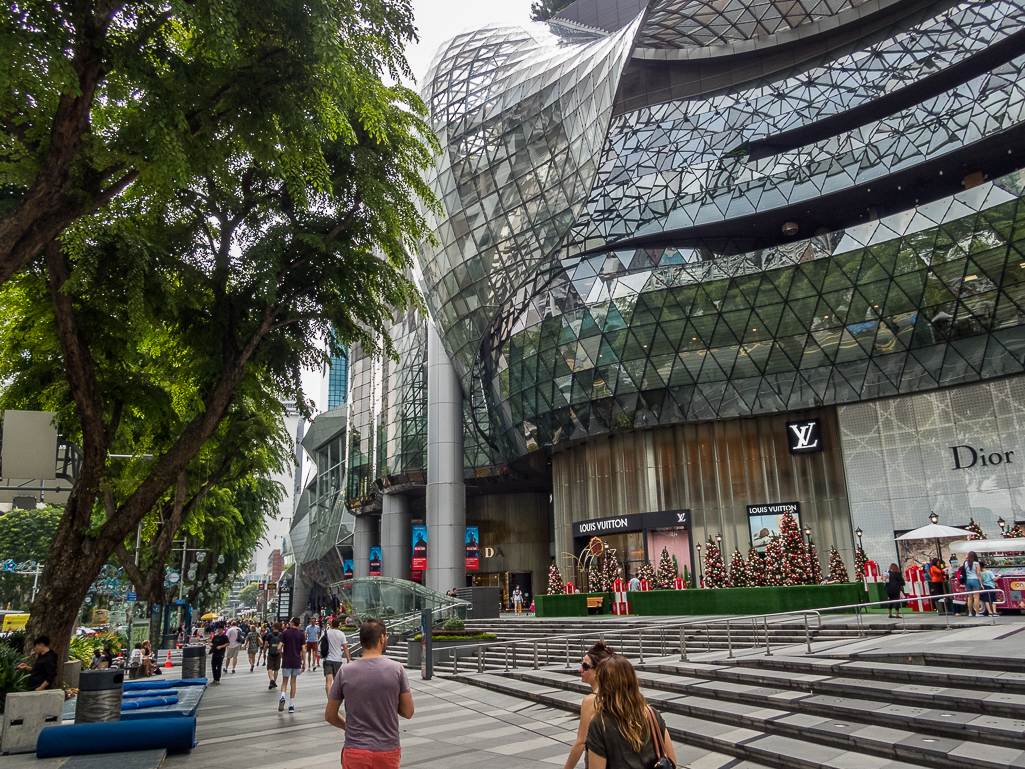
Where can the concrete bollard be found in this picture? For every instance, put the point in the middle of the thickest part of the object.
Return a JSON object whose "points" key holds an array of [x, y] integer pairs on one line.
{"points": [[99, 696], [26, 714]]}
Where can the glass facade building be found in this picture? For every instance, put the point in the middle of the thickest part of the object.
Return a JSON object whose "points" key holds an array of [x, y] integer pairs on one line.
{"points": [[673, 228]]}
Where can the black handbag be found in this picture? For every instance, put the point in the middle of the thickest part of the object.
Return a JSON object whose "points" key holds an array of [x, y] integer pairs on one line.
{"points": [[663, 762]]}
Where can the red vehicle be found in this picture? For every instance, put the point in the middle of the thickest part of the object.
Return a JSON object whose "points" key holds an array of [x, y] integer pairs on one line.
{"points": [[1006, 559]]}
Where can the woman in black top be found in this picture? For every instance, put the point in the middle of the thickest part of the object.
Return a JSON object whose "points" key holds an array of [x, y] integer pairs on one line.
{"points": [[620, 736], [894, 586]]}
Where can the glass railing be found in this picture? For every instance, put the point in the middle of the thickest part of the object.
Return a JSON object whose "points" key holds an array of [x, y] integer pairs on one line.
{"points": [[397, 601]]}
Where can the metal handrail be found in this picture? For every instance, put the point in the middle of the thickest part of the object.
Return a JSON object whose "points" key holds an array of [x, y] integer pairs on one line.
{"points": [[681, 625]]}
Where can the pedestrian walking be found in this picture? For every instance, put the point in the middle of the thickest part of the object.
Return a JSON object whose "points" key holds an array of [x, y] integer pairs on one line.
{"points": [[218, 646], [234, 636], [973, 581], [253, 644], [376, 692], [312, 637], [894, 586], [272, 647], [625, 732], [517, 598], [594, 655], [291, 662], [337, 652]]}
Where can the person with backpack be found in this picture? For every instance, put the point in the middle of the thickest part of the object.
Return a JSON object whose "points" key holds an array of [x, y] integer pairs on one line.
{"points": [[894, 587], [272, 647]]}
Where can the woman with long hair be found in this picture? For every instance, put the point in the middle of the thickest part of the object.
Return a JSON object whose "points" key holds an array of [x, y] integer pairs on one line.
{"points": [[595, 655], [620, 735], [973, 581], [894, 586]]}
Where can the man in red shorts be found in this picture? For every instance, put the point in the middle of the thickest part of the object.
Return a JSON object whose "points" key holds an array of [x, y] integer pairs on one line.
{"points": [[376, 692]]}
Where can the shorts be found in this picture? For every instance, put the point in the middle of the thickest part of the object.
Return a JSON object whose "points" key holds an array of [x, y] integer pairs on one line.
{"points": [[331, 668], [356, 758], [291, 672], [273, 662], [232, 654], [311, 646], [974, 584], [990, 596]]}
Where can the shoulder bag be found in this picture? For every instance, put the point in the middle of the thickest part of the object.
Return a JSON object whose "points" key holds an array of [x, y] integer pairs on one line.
{"points": [[663, 761]]}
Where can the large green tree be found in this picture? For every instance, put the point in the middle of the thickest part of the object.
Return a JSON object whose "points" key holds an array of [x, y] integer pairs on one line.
{"points": [[100, 95], [249, 595], [168, 308]]}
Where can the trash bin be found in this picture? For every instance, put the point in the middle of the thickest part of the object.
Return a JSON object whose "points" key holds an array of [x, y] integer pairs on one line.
{"points": [[99, 696], [170, 641], [194, 662]]}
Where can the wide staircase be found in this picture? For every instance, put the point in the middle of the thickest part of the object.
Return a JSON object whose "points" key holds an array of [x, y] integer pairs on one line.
{"points": [[812, 712], [564, 640]]}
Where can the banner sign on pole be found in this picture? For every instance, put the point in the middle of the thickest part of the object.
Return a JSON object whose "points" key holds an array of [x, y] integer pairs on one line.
{"points": [[472, 548], [375, 561], [419, 548], [347, 568]]}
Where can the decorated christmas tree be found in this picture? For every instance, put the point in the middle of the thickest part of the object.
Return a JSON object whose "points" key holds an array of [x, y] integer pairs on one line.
{"points": [[647, 571], [611, 570], [666, 572], [755, 568], [595, 582], [975, 530], [860, 561], [555, 583], [837, 568], [1015, 531], [814, 567], [715, 569], [795, 561], [738, 571], [775, 566]]}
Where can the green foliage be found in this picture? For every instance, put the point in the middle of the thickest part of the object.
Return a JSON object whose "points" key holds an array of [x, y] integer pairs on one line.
{"points": [[454, 625], [25, 536], [249, 594], [81, 647], [11, 679], [543, 10]]}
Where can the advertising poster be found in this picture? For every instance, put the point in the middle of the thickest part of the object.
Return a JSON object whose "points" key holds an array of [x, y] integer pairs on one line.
{"points": [[347, 569], [472, 548], [419, 548], [375, 562], [765, 521]]}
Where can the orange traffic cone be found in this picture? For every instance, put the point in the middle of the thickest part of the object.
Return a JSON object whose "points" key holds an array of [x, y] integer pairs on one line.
{"points": [[169, 664]]}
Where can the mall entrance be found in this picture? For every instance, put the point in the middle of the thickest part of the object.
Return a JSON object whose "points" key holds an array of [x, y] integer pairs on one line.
{"points": [[640, 538]]}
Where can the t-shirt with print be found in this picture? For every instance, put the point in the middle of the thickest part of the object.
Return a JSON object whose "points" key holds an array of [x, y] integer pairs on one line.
{"points": [[335, 641], [291, 648], [605, 739], [370, 689]]}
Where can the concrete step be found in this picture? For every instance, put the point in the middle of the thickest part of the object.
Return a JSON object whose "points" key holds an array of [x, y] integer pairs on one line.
{"points": [[1005, 704], [760, 747]]}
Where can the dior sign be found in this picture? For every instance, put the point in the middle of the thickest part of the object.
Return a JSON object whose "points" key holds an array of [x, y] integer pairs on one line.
{"points": [[966, 457]]}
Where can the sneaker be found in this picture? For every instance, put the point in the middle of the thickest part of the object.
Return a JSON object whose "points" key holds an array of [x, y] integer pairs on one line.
{"points": [[252, 668], [291, 708], [281, 704], [271, 685], [233, 672]]}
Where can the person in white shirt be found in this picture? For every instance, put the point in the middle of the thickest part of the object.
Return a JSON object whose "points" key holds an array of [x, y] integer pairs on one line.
{"points": [[337, 647], [235, 636]]}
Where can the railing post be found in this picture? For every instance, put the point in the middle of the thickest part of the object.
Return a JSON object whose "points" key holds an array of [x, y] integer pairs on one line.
{"points": [[662, 642], [683, 644], [568, 663], [515, 662], [807, 634], [455, 661], [708, 637], [480, 659], [729, 640], [535, 655], [640, 645], [507, 658], [768, 650]]}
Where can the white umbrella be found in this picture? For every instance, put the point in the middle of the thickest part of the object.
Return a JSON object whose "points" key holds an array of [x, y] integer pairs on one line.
{"points": [[936, 531]]}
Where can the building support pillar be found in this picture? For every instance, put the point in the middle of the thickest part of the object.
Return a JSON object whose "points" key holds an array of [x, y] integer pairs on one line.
{"points": [[364, 536], [446, 493], [396, 536]]}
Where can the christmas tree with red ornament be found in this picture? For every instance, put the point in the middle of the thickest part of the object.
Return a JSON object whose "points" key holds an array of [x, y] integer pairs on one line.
{"points": [[1016, 531], [775, 566], [666, 573], [814, 567], [795, 561], [837, 568], [715, 569], [755, 568], [555, 583], [647, 572], [738, 571], [611, 570], [975, 530]]}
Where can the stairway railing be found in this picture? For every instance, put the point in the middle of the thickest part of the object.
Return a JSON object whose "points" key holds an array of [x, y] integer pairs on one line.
{"points": [[759, 624]]}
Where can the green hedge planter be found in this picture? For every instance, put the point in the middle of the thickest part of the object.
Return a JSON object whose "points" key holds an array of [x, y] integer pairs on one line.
{"points": [[725, 601]]}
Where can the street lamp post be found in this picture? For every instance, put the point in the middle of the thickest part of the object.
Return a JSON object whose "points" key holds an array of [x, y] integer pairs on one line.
{"points": [[701, 573], [807, 544], [1002, 524]]}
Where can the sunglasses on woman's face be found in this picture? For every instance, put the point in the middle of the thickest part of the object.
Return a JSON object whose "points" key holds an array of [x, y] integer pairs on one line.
{"points": [[585, 666]]}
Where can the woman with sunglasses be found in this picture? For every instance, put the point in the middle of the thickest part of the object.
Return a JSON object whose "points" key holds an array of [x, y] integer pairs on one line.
{"points": [[594, 655], [625, 732]]}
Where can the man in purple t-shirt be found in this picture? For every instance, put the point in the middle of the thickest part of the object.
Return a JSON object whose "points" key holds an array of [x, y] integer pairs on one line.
{"points": [[376, 692], [292, 639]]}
